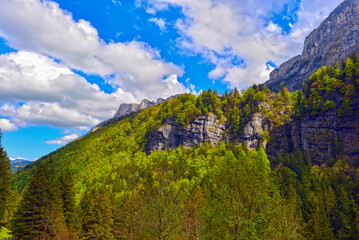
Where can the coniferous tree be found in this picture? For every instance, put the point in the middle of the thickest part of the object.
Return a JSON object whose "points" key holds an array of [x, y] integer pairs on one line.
{"points": [[39, 213], [68, 196], [5, 180], [97, 215], [70, 210]]}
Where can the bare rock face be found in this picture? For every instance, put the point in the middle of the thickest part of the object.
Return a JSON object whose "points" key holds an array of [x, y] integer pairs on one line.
{"points": [[202, 129], [128, 108], [252, 135], [206, 129], [333, 40], [323, 136]]}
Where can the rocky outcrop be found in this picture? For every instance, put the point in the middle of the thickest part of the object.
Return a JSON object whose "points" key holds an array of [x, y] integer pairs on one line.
{"points": [[206, 129], [129, 108], [253, 132], [324, 136], [202, 129], [333, 40]]}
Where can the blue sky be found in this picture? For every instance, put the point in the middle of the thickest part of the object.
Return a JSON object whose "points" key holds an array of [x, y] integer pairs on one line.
{"points": [[67, 65]]}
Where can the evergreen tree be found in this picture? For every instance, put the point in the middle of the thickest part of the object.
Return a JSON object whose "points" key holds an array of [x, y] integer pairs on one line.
{"points": [[39, 213], [97, 215], [5, 180], [68, 196]]}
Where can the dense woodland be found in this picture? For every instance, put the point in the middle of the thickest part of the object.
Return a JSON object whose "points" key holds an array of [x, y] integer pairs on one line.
{"points": [[104, 186]]}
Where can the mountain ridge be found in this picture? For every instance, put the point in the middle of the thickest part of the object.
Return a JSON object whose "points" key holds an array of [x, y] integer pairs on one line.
{"points": [[126, 109], [333, 40]]}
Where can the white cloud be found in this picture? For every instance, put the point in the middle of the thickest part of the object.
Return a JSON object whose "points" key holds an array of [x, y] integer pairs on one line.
{"points": [[40, 90], [6, 125], [52, 94], [63, 140], [221, 29], [42, 27], [160, 22]]}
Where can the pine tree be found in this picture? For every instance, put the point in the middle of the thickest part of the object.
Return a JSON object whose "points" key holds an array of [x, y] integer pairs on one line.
{"points": [[68, 196], [5, 180], [39, 213], [97, 215]]}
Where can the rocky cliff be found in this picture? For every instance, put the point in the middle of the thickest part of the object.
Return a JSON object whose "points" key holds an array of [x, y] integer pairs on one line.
{"points": [[207, 129], [129, 108], [333, 40], [324, 136], [202, 129]]}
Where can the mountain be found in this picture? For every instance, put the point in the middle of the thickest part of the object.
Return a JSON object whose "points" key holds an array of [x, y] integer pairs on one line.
{"points": [[332, 41], [19, 161], [126, 109], [189, 164], [255, 164]]}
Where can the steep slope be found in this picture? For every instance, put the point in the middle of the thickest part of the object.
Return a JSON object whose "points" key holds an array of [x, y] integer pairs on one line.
{"points": [[209, 170], [126, 109], [326, 122], [185, 121], [333, 40]]}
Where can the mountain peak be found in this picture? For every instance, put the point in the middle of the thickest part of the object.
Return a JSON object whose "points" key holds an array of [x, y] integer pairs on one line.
{"points": [[333, 40]]}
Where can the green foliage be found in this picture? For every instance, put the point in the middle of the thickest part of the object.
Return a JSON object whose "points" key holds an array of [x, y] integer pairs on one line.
{"points": [[5, 182], [224, 192], [330, 88], [68, 194], [5, 233], [39, 213], [325, 196], [96, 215]]}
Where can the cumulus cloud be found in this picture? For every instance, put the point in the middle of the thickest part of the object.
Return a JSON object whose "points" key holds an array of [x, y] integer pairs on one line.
{"points": [[223, 29], [40, 91], [6, 125], [42, 27], [160, 22], [39, 85], [63, 140]]}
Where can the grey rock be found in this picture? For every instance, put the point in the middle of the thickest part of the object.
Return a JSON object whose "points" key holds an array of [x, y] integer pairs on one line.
{"points": [[128, 108], [202, 129], [323, 136], [252, 135], [333, 40], [206, 129]]}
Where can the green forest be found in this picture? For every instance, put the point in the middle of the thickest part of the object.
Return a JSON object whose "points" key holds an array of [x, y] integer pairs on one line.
{"points": [[105, 186]]}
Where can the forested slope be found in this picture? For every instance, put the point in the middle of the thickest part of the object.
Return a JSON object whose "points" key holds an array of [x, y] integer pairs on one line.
{"points": [[222, 190]]}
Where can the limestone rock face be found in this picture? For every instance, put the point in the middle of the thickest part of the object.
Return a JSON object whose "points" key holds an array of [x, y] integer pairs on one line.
{"points": [[202, 129], [128, 108], [333, 40], [252, 135], [206, 129], [323, 136]]}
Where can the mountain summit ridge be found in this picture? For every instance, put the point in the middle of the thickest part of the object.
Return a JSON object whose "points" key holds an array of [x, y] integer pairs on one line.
{"points": [[335, 38]]}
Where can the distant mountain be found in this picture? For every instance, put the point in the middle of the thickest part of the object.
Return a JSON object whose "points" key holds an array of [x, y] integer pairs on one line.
{"points": [[126, 109], [19, 161], [333, 40]]}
